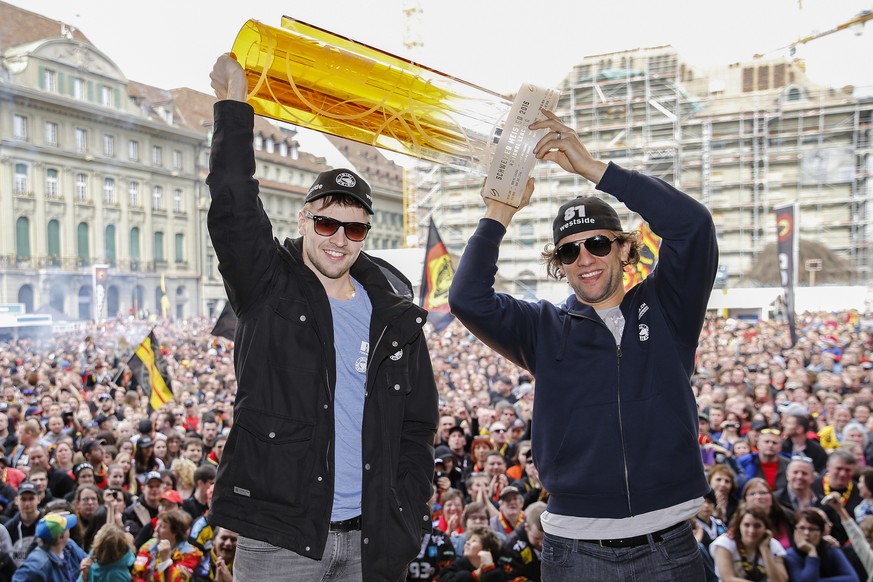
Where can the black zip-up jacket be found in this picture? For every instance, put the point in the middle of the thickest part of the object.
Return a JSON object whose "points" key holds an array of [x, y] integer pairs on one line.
{"points": [[276, 477], [614, 427]]}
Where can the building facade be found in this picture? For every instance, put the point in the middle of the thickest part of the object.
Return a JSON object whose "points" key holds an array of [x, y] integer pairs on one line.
{"points": [[102, 175]]}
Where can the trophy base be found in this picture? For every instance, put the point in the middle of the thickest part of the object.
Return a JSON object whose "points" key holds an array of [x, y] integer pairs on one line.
{"points": [[513, 157]]}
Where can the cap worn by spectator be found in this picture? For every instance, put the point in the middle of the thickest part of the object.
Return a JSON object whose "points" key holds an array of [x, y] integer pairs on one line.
{"points": [[145, 442], [89, 445], [793, 409], [53, 525], [100, 419], [509, 491], [104, 396], [523, 390], [27, 487], [153, 476], [518, 423], [442, 452], [172, 496], [703, 416], [456, 428], [145, 426], [189, 403]]}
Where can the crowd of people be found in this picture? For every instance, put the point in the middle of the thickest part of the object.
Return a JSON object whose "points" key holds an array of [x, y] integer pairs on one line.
{"points": [[94, 482]]}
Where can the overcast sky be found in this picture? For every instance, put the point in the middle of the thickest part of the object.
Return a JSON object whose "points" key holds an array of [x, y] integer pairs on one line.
{"points": [[496, 44]]}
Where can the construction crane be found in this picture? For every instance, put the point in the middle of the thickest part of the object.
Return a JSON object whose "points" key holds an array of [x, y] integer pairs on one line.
{"points": [[855, 24]]}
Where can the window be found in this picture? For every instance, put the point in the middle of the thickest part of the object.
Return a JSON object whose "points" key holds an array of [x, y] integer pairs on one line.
{"points": [[177, 159], [157, 156], [108, 145], [177, 201], [51, 183], [81, 187], [78, 88], [109, 191], [81, 140], [51, 133], [180, 248], [159, 246], [269, 145], [22, 238], [54, 241], [19, 126], [133, 194], [21, 179], [259, 142], [109, 251], [83, 250], [133, 150], [49, 80], [283, 149], [106, 96], [134, 244], [158, 198]]}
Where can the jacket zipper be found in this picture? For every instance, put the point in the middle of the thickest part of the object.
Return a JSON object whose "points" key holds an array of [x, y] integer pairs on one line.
{"points": [[621, 431], [618, 354]]}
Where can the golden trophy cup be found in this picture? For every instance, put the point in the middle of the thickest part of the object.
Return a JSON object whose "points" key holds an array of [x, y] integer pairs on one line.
{"points": [[312, 78]]}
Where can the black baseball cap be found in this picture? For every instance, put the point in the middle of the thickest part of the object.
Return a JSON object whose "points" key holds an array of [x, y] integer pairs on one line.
{"points": [[583, 214], [341, 181]]}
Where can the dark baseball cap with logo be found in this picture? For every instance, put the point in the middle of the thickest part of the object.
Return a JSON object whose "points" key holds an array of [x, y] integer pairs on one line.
{"points": [[583, 214], [344, 182]]}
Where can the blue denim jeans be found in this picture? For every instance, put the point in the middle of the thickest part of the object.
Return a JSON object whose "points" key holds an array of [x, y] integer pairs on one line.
{"points": [[674, 559], [258, 561]]}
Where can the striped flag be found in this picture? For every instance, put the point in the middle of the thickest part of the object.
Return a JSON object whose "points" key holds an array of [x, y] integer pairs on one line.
{"points": [[648, 257], [149, 366], [435, 280]]}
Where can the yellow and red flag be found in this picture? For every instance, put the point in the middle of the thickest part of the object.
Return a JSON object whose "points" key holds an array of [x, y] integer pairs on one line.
{"points": [[435, 280], [651, 244], [149, 366]]}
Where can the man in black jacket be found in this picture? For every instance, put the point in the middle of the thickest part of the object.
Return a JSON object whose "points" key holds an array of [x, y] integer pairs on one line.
{"points": [[327, 471]]}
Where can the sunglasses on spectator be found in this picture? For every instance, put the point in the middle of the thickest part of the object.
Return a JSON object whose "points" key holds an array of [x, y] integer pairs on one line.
{"points": [[326, 226], [771, 431], [498, 430], [598, 245], [803, 458]]}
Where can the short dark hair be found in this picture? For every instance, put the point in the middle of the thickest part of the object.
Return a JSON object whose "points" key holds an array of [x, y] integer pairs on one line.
{"points": [[178, 521], [204, 473], [487, 537]]}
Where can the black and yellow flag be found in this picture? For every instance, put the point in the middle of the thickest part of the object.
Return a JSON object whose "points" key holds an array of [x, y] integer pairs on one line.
{"points": [[648, 257], [435, 280], [149, 366]]}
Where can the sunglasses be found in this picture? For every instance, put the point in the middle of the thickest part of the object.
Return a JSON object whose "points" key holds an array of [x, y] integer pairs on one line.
{"points": [[498, 430], [598, 245], [771, 431], [325, 226]]}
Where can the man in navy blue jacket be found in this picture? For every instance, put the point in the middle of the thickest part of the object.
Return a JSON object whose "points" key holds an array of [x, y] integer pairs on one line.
{"points": [[614, 431]]}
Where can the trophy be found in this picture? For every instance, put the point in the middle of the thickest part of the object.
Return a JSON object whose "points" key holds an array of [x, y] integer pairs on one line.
{"points": [[312, 78]]}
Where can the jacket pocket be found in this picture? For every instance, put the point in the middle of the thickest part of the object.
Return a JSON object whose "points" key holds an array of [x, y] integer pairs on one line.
{"points": [[272, 457]]}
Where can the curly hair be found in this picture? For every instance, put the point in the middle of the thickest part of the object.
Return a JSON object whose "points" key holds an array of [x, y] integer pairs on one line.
{"points": [[555, 269], [184, 470]]}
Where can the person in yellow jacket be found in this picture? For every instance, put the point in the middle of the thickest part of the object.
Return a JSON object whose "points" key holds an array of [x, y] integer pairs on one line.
{"points": [[831, 436]]}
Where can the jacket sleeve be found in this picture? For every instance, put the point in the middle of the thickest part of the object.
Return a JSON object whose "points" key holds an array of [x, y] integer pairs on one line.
{"points": [[239, 228], [503, 323], [859, 543], [420, 419], [688, 257]]}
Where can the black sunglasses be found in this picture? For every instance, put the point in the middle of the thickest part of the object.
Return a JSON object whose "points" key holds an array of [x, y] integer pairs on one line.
{"points": [[598, 245], [325, 226]]}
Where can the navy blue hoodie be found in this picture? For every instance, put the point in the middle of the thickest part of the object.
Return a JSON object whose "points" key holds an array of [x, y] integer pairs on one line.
{"points": [[615, 427]]}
